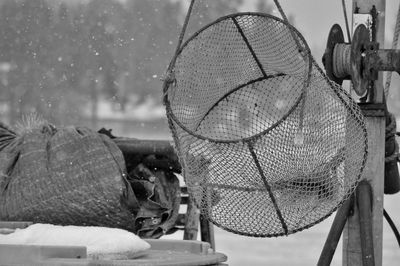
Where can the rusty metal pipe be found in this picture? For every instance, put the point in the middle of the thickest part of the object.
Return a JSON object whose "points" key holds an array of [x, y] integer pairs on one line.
{"points": [[383, 60], [364, 203], [334, 234], [139, 146]]}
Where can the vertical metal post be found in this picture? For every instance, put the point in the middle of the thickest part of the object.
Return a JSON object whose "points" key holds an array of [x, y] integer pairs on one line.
{"points": [[364, 199], [374, 171]]}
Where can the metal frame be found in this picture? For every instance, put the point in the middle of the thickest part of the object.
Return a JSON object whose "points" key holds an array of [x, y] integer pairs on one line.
{"points": [[360, 219]]}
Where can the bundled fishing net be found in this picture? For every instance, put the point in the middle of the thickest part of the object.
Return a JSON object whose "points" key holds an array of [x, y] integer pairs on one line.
{"points": [[69, 175], [76, 176], [268, 145]]}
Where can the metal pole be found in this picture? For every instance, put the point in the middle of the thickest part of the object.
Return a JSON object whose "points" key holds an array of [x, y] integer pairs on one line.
{"points": [[364, 198], [334, 234], [374, 171]]}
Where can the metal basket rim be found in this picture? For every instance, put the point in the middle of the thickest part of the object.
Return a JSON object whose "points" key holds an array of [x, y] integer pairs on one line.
{"points": [[167, 104]]}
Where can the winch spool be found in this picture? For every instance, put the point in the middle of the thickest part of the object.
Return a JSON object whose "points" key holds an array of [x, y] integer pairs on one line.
{"points": [[341, 60], [344, 61], [361, 61]]}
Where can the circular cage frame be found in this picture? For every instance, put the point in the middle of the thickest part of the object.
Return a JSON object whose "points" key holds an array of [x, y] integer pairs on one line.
{"points": [[290, 27], [312, 68]]}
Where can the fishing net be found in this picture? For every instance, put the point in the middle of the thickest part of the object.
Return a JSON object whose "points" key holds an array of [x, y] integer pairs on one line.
{"points": [[75, 176], [268, 145]]}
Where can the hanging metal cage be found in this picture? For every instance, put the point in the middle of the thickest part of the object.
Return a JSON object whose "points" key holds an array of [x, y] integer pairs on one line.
{"points": [[268, 144]]}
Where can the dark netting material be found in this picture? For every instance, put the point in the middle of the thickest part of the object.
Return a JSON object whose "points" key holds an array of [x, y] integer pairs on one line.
{"points": [[268, 145]]}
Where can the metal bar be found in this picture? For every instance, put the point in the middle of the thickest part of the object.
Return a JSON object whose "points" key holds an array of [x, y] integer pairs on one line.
{"points": [[374, 170], [383, 60], [253, 53], [374, 174], [170, 164], [334, 234], [268, 187], [155, 153], [364, 203], [392, 225], [139, 146], [207, 231]]}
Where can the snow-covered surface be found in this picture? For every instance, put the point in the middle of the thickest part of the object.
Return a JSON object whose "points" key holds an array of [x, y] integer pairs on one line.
{"points": [[101, 242], [147, 110]]}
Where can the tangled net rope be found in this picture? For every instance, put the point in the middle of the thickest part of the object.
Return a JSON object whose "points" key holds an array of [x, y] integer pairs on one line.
{"points": [[268, 145]]}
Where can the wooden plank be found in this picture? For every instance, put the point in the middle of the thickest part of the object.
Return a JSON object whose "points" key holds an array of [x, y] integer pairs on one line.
{"points": [[364, 200], [207, 231], [14, 225], [29, 254], [163, 252], [373, 173], [192, 221], [335, 233], [374, 170]]}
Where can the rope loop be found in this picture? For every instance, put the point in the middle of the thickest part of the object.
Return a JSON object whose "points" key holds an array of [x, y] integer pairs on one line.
{"points": [[396, 35], [390, 132], [168, 79]]}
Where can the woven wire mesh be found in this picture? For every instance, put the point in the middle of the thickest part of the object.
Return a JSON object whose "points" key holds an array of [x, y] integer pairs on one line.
{"points": [[269, 146]]}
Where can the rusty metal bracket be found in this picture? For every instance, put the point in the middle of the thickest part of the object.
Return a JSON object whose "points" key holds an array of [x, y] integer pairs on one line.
{"points": [[381, 60], [372, 109]]}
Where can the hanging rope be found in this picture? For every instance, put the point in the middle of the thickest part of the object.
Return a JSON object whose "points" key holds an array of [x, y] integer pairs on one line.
{"points": [[391, 133], [392, 226], [394, 46], [169, 76], [278, 5], [299, 135], [346, 20]]}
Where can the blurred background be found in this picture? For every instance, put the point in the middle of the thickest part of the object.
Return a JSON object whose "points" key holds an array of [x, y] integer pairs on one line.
{"points": [[100, 63]]}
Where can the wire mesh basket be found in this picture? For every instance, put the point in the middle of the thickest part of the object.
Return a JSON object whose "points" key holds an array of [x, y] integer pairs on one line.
{"points": [[268, 145]]}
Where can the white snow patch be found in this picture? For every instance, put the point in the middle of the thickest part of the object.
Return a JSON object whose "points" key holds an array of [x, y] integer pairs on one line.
{"points": [[101, 242], [148, 110]]}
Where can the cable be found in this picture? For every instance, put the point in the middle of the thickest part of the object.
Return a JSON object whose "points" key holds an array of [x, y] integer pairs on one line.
{"points": [[280, 9], [169, 77], [346, 20], [392, 225], [394, 46], [299, 133]]}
